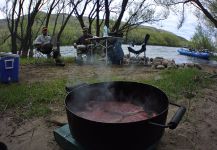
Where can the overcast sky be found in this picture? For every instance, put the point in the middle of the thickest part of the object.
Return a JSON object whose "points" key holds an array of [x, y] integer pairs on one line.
{"points": [[170, 24]]}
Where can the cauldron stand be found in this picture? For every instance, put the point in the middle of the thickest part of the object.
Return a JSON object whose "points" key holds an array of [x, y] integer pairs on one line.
{"points": [[66, 141]]}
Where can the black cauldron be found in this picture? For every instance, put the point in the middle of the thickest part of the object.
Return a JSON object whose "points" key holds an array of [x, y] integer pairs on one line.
{"points": [[3, 146], [138, 135]]}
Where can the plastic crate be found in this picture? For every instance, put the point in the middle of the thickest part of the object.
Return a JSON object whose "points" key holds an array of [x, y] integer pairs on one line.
{"points": [[9, 68]]}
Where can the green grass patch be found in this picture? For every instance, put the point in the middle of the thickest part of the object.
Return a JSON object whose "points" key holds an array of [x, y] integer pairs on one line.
{"points": [[69, 59], [179, 81], [26, 61], [37, 110], [33, 98], [213, 58]]}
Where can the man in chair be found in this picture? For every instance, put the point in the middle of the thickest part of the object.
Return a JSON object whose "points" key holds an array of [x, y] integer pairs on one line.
{"points": [[83, 45], [44, 45]]}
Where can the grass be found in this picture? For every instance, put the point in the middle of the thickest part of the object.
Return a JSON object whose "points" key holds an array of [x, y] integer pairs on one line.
{"points": [[213, 58], [69, 59], [175, 83], [25, 61], [34, 99]]}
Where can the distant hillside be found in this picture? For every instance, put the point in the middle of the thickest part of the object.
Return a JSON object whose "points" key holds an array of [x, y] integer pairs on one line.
{"points": [[3, 23], [73, 31], [158, 37]]}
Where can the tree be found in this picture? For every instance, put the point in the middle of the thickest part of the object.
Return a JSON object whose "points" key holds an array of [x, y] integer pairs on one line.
{"points": [[201, 39], [13, 14], [112, 14], [208, 8], [65, 19], [139, 12], [94, 8], [205, 6], [107, 13], [121, 14], [33, 9], [52, 6], [19, 25], [80, 14], [22, 21]]}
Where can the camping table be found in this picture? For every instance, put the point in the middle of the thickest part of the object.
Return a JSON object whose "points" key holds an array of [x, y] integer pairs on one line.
{"points": [[97, 39]]}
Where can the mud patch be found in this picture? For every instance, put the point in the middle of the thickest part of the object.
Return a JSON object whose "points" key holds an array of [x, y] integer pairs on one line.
{"points": [[198, 130]]}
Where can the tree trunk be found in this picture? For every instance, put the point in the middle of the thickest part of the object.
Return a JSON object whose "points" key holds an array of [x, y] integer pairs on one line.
{"points": [[52, 6], [31, 50], [27, 41], [206, 12], [14, 44], [97, 19], [81, 21], [107, 13], [58, 46], [118, 22]]}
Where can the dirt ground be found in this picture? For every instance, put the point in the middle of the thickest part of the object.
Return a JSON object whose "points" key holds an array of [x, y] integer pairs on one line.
{"points": [[197, 131]]}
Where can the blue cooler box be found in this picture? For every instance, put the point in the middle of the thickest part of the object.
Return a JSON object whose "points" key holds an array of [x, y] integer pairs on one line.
{"points": [[9, 68]]}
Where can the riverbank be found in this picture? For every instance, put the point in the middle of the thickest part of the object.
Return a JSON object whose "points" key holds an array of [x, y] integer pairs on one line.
{"points": [[152, 52], [34, 107]]}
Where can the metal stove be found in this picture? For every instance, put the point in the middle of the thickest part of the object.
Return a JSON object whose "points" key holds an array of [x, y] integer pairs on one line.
{"points": [[66, 141]]}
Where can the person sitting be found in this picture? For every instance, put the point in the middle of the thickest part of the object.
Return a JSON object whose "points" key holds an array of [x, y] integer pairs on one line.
{"points": [[115, 51], [83, 45], [44, 45]]}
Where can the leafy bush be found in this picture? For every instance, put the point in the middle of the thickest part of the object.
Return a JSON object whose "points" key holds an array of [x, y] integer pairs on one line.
{"points": [[202, 40]]}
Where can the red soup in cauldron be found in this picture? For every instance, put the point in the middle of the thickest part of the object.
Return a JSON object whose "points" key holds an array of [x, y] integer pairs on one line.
{"points": [[113, 112]]}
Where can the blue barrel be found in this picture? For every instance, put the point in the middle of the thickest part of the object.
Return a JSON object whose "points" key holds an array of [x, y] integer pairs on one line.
{"points": [[9, 68]]}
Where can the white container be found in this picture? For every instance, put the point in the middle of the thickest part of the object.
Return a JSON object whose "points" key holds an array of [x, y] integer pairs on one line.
{"points": [[105, 31]]}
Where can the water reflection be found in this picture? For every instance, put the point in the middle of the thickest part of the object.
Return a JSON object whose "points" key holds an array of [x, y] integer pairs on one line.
{"points": [[152, 52]]}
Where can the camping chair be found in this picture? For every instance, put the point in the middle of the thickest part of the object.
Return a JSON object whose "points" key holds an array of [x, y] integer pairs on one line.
{"points": [[38, 56], [142, 50], [48, 57], [41, 56], [84, 53]]}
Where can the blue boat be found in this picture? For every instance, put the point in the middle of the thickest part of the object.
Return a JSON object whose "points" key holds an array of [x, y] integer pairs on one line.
{"points": [[193, 53]]}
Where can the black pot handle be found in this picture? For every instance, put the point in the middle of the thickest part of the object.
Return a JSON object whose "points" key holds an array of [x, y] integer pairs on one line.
{"points": [[175, 119], [70, 88]]}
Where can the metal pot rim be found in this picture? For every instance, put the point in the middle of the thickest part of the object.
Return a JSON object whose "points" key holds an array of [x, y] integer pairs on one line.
{"points": [[146, 120]]}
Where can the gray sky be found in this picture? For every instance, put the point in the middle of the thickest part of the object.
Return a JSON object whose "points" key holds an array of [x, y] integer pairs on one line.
{"points": [[170, 24]]}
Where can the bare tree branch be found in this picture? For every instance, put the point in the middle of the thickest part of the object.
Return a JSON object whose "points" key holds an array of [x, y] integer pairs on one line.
{"points": [[118, 22], [201, 5]]}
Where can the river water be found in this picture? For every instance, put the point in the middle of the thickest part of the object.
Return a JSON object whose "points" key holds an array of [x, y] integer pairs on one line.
{"points": [[152, 52]]}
